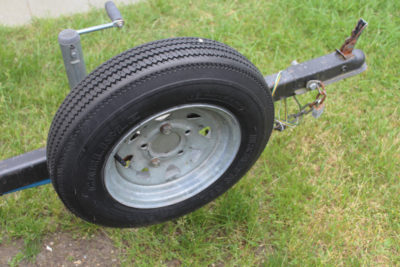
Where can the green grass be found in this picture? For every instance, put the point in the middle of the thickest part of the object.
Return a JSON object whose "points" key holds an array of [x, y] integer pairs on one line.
{"points": [[325, 193]]}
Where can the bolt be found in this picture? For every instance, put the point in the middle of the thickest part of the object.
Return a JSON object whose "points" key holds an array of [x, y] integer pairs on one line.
{"points": [[119, 23], [155, 162], [344, 68], [166, 128], [313, 86]]}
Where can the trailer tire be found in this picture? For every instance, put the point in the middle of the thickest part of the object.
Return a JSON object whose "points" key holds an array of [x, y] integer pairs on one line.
{"points": [[158, 131]]}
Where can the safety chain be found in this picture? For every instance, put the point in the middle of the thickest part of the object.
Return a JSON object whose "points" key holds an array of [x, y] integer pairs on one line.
{"points": [[293, 120]]}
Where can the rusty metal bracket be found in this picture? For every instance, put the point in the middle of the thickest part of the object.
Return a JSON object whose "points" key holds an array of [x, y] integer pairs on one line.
{"points": [[346, 50]]}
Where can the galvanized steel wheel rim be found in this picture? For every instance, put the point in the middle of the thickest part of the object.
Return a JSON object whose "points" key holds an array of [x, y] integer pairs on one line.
{"points": [[172, 156]]}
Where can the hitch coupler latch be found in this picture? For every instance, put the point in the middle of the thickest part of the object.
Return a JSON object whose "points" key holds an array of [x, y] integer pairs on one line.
{"points": [[346, 50]]}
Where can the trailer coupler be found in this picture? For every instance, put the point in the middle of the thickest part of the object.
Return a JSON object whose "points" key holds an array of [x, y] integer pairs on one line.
{"points": [[327, 69]]}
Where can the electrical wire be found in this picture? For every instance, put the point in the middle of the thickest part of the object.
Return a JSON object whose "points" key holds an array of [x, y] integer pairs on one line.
{"points": [[277, 79]]}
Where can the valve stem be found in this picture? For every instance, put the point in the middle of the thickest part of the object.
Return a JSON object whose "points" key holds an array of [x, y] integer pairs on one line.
{"points": [[120, 160]]}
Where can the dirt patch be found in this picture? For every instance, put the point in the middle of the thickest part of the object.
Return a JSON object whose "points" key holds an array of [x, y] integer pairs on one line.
{"points": [[62, 249], [173, 263], [9, 250]]}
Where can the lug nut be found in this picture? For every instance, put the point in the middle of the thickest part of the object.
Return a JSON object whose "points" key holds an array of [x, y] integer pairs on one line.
{"points": [[166, 128], [155, 162]]}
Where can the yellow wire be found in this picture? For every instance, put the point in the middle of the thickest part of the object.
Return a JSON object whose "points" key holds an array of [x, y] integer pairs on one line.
{"points": [[278, 78], [286, 109]]}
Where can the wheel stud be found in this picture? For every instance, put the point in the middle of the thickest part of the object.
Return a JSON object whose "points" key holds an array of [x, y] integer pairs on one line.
{"points": [[155, 162], [166, 128]]}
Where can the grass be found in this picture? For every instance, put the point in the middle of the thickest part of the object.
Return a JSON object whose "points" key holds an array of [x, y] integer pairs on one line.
{"points": [[325, 193]]}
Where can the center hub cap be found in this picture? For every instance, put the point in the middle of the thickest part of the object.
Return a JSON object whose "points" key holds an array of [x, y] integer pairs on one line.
{"points": [[165, 144]]}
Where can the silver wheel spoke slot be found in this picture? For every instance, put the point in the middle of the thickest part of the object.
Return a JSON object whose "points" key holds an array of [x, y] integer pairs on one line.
{"points": [[172, 156]]}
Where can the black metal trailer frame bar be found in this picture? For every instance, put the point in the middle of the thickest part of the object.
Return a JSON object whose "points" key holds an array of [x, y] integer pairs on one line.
{"points": [[30, 169], [23, 171]]}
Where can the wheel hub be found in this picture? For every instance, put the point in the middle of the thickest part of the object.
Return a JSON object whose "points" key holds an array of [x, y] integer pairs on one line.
{"points": [[164, 145], [172, 156]]}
